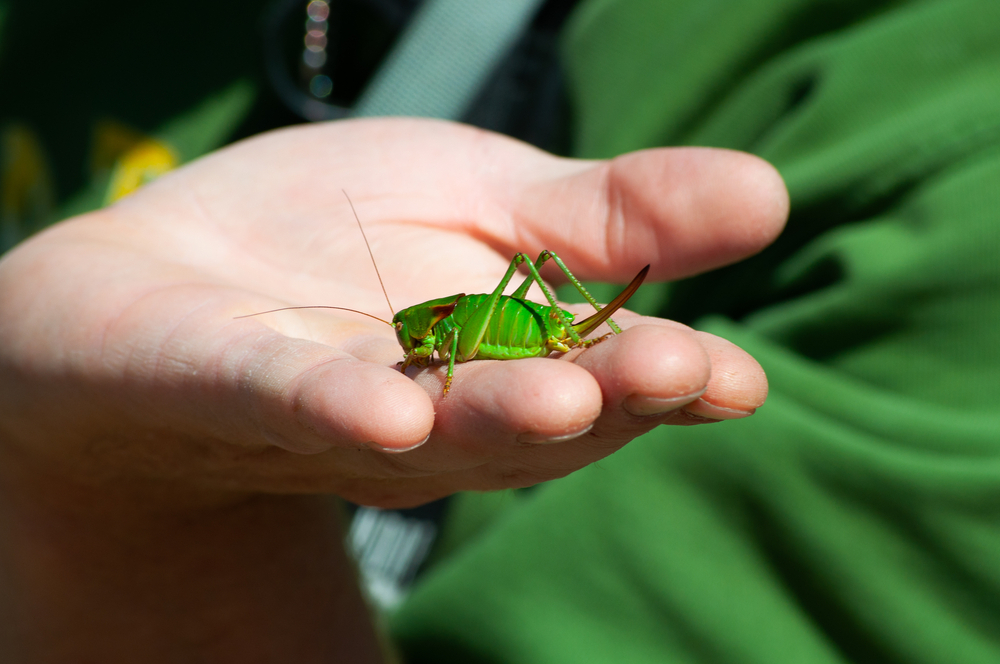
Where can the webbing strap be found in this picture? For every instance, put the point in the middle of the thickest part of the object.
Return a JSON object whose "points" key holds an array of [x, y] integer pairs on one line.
{"points": [[444, 57]]}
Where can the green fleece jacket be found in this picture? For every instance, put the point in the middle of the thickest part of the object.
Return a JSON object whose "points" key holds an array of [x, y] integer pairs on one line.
{"points": [[856, 516]]}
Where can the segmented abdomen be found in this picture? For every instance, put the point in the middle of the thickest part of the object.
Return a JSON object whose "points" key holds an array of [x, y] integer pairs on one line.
{"points": [[518, 329]]}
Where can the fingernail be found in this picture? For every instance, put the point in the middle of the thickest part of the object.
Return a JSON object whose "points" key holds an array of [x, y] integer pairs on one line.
{"points": [[643, 406], [543, 439], [702, 408], [396, 450]]}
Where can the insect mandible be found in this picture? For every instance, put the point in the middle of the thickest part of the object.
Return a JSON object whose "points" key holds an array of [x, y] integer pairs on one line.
{"points": [[492, 326]]}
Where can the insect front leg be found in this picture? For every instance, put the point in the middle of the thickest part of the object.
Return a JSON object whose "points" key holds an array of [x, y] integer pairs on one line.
{"points": [[451, 362], [412, 359]]}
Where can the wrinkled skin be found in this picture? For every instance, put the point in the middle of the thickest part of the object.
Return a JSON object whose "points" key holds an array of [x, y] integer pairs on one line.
{"points": [[128, 385]]}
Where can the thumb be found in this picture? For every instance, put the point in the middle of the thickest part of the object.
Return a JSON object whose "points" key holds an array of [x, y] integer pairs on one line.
{"points": [[685, 210]]}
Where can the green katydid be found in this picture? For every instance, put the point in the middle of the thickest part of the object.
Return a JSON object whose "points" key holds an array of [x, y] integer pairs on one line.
{"points": [[492, 326]]}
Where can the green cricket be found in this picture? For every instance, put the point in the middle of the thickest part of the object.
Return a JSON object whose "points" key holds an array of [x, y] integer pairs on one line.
{"points": [[492, 326]]}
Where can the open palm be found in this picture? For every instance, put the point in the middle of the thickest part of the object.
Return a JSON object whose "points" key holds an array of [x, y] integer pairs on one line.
{"points": [[122, 357]]}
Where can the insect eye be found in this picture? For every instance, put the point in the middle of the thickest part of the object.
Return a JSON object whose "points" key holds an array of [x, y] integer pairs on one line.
{"points": [[399, 326]]}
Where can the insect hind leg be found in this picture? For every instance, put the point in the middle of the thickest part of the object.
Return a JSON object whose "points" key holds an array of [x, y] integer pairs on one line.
{"points": [[535, 277]]}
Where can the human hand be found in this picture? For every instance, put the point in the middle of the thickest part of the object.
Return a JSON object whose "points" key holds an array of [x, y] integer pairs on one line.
{"points": [[121, 360]]}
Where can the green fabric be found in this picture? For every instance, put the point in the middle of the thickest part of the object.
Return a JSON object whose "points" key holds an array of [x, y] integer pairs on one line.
{"points": [[856, 517]]}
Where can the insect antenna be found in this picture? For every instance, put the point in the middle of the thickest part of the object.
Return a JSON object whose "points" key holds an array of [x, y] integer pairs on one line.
{"points": [[377, 274], [318, 306], [374, 264]]}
